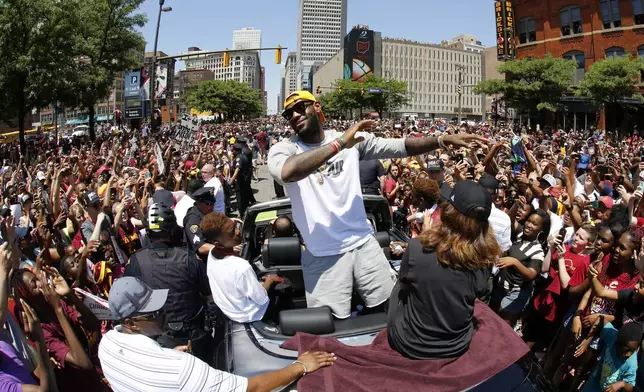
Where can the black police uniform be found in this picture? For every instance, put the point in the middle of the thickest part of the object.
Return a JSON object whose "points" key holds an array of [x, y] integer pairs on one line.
{"points": [[248, 153], [162, 266], [192, 220], [242, 183]]}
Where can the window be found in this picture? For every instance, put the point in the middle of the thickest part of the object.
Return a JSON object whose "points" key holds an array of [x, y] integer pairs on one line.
{"points": [[570, 20], [638, 11], [528, 30], [614, 52], [579, 57], [610, 13]]}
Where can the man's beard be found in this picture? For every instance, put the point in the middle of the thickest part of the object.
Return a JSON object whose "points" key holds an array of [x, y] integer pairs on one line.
{"points": [[312, 126]]}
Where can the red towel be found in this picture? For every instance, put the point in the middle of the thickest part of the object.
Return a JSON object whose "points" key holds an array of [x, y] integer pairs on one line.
{"points": [[377, 367]]}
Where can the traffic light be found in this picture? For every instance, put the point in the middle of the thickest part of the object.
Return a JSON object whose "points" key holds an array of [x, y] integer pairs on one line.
{"points": [[226, 59], [460, 90], [318, 90], [340, 90], [362, 91], [278, 55]]}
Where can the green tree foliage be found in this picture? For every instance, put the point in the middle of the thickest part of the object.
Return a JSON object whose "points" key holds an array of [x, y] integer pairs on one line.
{"points": [[230, 98], [107, 44], [393, 95], [531, 84], [611, 80], [36, 41]]}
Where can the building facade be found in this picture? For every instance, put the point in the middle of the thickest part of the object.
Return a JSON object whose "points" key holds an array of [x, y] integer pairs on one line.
{"points": [[432, 76], [465, 42], [186, 79], [290, 80], [586, 31], [491, 66], [244, 67], [321, 29]]}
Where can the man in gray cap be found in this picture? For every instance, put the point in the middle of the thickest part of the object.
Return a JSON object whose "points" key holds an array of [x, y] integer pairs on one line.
{"points": [[133, 361]]}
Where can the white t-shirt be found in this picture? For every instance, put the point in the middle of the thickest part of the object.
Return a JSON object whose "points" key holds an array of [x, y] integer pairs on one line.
{"points": [[134, 362], [182, 207], [220, 198], [502, 227], [327, 205], [235, 289]]}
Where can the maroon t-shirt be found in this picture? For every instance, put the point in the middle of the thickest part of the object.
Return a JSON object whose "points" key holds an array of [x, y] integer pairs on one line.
{"points": [[69, 376]]}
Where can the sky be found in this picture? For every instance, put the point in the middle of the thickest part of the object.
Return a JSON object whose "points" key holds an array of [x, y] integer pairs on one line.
{"points": [[209, 25]]}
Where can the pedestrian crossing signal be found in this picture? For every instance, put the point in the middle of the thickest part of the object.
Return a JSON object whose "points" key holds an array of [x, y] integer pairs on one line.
{"points": [[318, 90], [226, 59], [278, 55]]}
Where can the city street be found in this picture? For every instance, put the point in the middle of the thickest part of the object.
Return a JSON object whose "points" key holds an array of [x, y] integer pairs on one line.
{"points": [[263, 189]]}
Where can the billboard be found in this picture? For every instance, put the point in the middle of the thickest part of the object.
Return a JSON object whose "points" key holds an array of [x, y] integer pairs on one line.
{"points": [[161, 75], [359, 55], [504, 19]]}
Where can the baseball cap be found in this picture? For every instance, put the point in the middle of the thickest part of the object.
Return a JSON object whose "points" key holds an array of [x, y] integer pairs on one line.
{"points": [[434, 165], [607, 201], [489, 182], [40, 176], [547, 181], [90, 198], [471, 200], [194, 185], [584, 161], [298, 96], [205, 194], [163, 196], [129, 295]]}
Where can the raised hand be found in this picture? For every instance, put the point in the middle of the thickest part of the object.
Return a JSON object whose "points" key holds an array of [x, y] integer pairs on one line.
{"points": [[58, 283], [465, 140], [30, 322], [48, 291], [349, 136]]}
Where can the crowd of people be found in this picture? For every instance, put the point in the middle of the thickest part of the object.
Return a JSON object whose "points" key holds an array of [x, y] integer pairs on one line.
{"points": [[544, 226]]}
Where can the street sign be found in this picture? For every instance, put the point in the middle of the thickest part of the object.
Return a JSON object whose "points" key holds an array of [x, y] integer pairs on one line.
{"points": [[375, 90], [134, 113]]}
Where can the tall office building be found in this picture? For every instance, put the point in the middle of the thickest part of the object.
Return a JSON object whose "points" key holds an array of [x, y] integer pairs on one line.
{"points": [[321, 29], [244, 66], [290, 74], [247, 38]]}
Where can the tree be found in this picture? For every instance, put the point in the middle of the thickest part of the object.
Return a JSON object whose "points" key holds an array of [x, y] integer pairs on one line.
{"points": [[611, 80], [531, 84], [233, 99], [107, 44], [36, 41], [393, 95]]}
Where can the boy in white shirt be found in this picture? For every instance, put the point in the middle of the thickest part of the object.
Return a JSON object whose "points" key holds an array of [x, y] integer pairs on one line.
{"points": [[234, 285]]}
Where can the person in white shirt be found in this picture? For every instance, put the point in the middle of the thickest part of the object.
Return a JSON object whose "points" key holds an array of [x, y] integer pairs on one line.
{"points": [[182, 207], [234, 285], [208, 175], [321, 173], [132, 361], [499, 220]]}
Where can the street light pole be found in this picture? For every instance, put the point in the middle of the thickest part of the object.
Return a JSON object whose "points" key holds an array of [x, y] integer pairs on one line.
{"points": [[154, 66]]}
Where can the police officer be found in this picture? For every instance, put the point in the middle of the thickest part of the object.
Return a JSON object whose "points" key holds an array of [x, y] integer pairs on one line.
{"points": [[249, 155], [204, 202], [162, 266], [241, 179]]}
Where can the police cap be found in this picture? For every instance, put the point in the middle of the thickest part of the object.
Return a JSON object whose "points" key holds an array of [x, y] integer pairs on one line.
{"points": [[205, 194]]}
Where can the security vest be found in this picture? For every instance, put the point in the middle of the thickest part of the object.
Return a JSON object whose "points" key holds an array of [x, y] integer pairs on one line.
{"points": [[164, 267]]}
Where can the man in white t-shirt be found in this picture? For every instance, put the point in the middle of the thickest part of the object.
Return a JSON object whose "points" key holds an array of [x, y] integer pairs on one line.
{"points": [[321, 173], [208, 175], [234, 285], [132, 361], [184, 204]]}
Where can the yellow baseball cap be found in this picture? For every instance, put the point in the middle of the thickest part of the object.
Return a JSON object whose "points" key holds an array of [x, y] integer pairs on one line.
{"points": [[298, 96]]}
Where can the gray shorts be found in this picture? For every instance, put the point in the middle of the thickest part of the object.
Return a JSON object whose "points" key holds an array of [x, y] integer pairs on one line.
{"points": [[329, 280]]}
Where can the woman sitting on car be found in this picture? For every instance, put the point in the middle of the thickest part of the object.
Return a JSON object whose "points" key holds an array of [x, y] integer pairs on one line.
{"points": [[431, 308]]}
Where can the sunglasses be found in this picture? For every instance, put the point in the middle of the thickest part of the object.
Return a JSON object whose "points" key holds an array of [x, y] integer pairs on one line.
{"points": [[151, 316], [299, 107]]}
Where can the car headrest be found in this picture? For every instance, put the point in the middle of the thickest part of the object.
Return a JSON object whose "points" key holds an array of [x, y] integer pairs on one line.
{"points": [[383, 239], [316, 321], [282, 251]]}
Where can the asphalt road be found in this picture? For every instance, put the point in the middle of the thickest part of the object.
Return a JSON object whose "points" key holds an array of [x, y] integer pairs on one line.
{"points": [[263, 188]]}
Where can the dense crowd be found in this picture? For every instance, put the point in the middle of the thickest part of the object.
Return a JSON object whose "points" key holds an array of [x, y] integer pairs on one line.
{"points": [[149, 226]]}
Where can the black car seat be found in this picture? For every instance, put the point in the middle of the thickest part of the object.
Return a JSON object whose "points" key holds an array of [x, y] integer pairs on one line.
{"points": [[283, 256], [384, 240]]}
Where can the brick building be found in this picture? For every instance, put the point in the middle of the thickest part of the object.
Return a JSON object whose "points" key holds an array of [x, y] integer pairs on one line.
{"points": [[586, 31]]}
